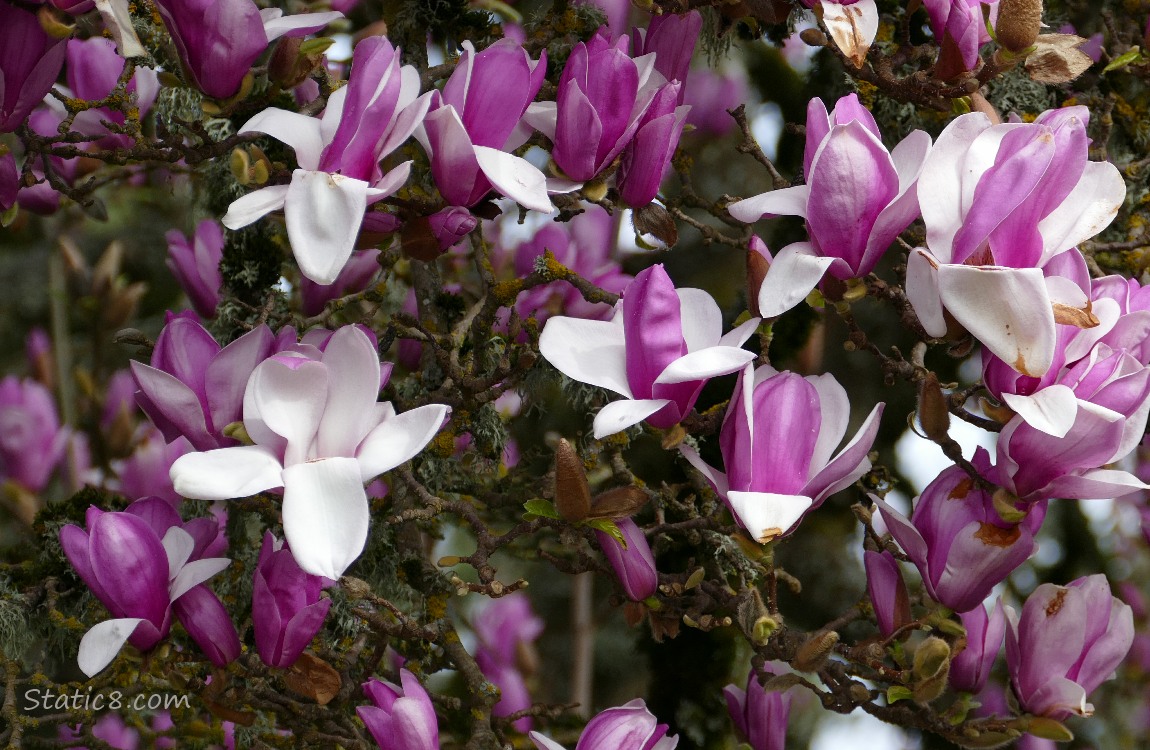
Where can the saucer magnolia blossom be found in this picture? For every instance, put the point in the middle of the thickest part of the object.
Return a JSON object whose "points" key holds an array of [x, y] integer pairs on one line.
{"points": [[338, 156], [320, 434], [857, 198], [777, 441], [659, 350], [853, 25], [1000, 202]]}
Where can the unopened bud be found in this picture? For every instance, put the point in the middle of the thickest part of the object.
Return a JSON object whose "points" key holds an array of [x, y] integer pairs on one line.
{"points": [[757, 266], [107, 269], [930, 669], [933, 414], [1019, 22], [763, 629], [621, 502], [572, 494], [595, 190], [240, 166], [814, 653]]}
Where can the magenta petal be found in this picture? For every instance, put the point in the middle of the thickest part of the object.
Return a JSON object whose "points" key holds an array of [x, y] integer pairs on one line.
{"points": [[578, 129], [653, 329], [784, 433], [208, 623], [300, 630], [132, 567], [852, 181]]}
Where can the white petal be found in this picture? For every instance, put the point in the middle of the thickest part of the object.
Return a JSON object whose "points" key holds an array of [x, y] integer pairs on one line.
{"points": [[1006, 309], [398, 439], [542, 116], [226, 473], [118, 21], [179, 545], [276, 26], [1051, 410], [700, 317], [558, 185], [717, 478], [409, 118], [300, 132], [255, 205], [767, 515], [324, 212], [325, 515], [738, 335], [544, 743], [619, 415], [353, 372], [853, 27], [195, 573], [100, 645], [705, 363], [790, 201], [794, 272], [940, 185], [834, 416], [590, 351], [1090, 207], [922, 291], [515, 177]]}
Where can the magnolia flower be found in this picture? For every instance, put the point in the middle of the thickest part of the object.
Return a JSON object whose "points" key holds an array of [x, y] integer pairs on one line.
{"points": [[760, 716], [1000, 202], [32, 441], [402, 717], [887, 591], [627, 727], [138, 577], [476, 121], [30, 61], [857, 198], [338, 156], [506, 630], [287, 610], [658, 351], [1068, 641], [218, 40], [984, 632], [634, 565], [195, 262], [957, 540], [320, 434], [777, 442]]}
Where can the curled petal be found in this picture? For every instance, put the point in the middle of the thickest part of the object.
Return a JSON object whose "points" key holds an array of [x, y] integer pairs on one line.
{"points": [[325, 515]]}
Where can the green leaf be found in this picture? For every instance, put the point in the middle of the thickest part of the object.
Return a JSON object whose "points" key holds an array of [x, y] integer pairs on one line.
{"points": [[896, 693], [315, 46], [540, 507], [607, 526], [1130, 56]]}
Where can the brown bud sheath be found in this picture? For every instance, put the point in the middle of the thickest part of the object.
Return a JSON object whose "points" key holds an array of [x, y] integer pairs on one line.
{"points": [[813, 654], [1019, 22], [621, 502], [933, 415], [757, 267], [572, 494]]}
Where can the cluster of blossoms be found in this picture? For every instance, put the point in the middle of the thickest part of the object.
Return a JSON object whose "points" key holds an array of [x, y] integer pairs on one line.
{"points": [[396, 195]]}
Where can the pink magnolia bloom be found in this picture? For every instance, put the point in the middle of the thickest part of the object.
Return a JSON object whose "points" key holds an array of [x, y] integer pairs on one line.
{"points": [[627, 727], [1068, 641], [32, 441], [320, 434], [338, 155], [145, 472], [194, 387], [139, 577], [984, 632], [634, 565], [30, 61], [887, 591], [778, 438], [658, 351], [1000, 202], [672, 37], [602, 97], [857, 198], [195, 262], [710, 95], [759, 716], [402, 717], [219, 40], [960, 22], [472, 126], [957, 540], [507, 629], [287, 610], [92, 71], [647, 157]]}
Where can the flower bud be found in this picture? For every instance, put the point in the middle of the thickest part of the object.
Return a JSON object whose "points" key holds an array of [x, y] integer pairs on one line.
{"points": [[1019, 22], [933, 415], [572, 495], [814, 653], [930, 669]]}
